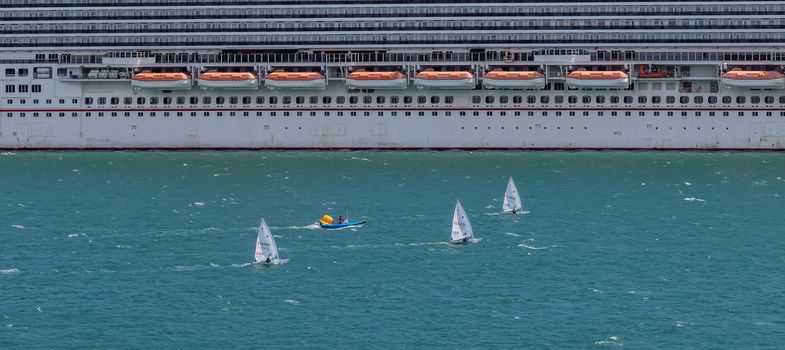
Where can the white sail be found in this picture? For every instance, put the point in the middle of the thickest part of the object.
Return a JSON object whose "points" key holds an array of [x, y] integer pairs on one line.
{"points": [[461, 227], [512, 200], [265, 245]]}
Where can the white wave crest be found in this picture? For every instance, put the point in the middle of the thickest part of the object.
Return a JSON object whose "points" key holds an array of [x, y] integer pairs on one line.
{"points": [[532, 247], [291, 302], [612, 340], [8, 271], [693, 199]]}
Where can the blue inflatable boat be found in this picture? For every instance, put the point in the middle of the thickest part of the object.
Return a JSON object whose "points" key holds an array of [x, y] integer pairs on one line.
{"points": [[345, 224]]}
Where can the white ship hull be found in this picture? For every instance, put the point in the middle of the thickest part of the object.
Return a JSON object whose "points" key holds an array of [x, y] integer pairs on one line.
{"points": [[461, 124], [538, 83], [459, 84], [249, 84], [163, 85], [620, 83], [316, 84], [755, 84], [401, 83]]}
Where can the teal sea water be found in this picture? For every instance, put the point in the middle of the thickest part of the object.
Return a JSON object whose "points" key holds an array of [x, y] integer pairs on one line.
{"points": [[124, 250]]}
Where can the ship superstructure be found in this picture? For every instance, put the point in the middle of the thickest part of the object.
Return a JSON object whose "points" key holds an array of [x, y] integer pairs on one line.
{"points": [[384, 74]]}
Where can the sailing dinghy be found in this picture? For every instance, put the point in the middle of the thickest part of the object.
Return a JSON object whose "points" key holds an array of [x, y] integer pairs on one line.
{"points": [[461, 227], [266, 250], [512, 200]]}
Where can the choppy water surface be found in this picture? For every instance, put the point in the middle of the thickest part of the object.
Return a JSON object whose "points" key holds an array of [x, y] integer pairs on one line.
{"points": [[631, 250]]}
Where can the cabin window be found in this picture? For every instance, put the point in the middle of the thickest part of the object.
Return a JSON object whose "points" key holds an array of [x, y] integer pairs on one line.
{"points": [[712, 99], [586, 99], [327, 100], [670, 99], [489, 99], [448, 100], [684, 99], [782, 99], [207, 100], [641, 99], [126, 100], [340, 100], [627, 99], [380, 100], [193, 100], [353, 100], [180, 100], [246, 100], [299, 100], [656, 99], [102, 100], [273, 100], [600, 99], [219, 100], [394, 99], [313, 100], [504, 99], [89, 100], [769, 99], [114, 100], [286, 100], [726, 99], [167, 100], [476, 99], [421, 99], [755, 99], [741, 99], [558, 99], [531, 99], [434, 99], [572, 99], [698, 99], [259, 100], [407, 99], [233, 100], [544, 99], [367, 100]]}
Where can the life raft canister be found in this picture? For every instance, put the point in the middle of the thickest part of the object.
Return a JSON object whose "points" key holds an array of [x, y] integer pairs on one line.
{"points": [[327, 219]]}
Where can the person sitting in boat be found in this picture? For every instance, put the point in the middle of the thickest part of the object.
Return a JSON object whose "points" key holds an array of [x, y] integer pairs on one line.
{"points": [[513, 210], [267, 260], [340, 219], [465, 239]]}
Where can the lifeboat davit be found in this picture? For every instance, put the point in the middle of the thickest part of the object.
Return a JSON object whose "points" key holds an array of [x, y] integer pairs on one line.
{"points": [[376, 80], [162, 81], [228, 80], [586, 79], [755, 79], [649, 74], [499, 79], [430, 79], [295, 80]]}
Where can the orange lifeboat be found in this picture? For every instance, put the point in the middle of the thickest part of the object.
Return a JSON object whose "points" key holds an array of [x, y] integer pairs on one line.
{"points": [[376, 80], [754, 79], [428, 79], [295, 80], [164, 81], [584, 79], [499, 79], [649, 74], [228, 80]]}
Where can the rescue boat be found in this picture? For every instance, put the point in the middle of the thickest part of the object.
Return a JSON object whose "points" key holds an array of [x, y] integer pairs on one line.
{"points": [[228, 80], [643, 73], [430, 79], [376, 80], [754, 79], [499, 79], [295, 80], [586, 79], [161, 81]]}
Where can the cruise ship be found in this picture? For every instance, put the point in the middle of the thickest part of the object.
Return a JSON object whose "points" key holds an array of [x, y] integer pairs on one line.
{"points": [[379, 74]]}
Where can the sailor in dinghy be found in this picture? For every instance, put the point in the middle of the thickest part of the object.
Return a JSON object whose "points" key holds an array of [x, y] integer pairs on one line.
{"points": [[266, 249], [461, 227], [512, 199]]}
